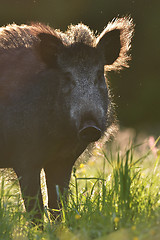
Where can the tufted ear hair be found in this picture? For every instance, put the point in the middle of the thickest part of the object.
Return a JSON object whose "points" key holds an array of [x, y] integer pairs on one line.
{"points": [[48, 48], [115, 43], [110, 44]]}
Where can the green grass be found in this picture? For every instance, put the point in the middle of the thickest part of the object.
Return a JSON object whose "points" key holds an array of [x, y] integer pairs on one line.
{"points": [[115, 194]]}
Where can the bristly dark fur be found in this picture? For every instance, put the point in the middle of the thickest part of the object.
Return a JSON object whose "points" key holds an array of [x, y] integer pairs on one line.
{"points": [[14, 36], [54, 100]]}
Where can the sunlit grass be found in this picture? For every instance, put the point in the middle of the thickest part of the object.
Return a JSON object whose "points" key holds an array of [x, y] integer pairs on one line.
{"points": [[114, 194]]}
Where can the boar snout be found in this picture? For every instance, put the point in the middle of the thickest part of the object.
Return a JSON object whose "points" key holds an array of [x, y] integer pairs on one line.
{"points": [[89, 132]]}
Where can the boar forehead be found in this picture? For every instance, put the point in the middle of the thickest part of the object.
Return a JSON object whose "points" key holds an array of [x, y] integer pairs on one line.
{"points": [[81, 58]]}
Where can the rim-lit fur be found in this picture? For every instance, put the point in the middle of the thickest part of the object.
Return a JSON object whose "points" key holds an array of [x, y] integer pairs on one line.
{"points": [[126, 27], [24, 36]]}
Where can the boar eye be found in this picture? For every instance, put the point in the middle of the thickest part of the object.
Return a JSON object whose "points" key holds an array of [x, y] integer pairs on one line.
{"points": [[68, 83], [68, 76], [69, 79]]}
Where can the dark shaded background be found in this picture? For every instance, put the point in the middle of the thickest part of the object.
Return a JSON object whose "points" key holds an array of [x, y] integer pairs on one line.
{"points": [[136, 90]]}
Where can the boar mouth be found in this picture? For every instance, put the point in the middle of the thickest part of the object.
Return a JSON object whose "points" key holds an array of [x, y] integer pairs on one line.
{"points": [[90, 132]]}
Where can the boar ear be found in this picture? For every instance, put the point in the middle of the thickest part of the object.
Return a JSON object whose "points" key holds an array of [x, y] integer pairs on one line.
{"points": [[110, 44], [48, 48], [115, 42]]}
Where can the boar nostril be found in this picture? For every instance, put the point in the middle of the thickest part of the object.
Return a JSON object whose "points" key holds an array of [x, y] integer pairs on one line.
{"points": [[89, 133]]}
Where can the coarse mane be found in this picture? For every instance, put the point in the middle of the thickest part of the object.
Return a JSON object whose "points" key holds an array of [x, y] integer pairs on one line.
{"points": [[80, 33], [14, 36]]}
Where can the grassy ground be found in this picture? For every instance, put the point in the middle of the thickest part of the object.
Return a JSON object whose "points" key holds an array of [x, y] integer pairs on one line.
{"points": [[114, 194]]}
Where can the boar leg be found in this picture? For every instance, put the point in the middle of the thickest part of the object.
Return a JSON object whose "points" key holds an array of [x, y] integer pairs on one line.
{"points": [[31, 192], [56, 175]]}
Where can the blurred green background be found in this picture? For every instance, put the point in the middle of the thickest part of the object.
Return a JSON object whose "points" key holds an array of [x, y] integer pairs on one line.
{"points": [[137, 89]]}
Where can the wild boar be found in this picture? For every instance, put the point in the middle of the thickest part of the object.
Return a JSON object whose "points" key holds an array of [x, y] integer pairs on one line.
{"points": [[54, 99]]}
